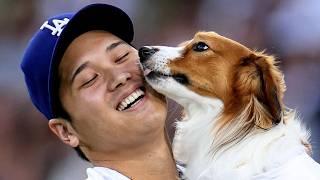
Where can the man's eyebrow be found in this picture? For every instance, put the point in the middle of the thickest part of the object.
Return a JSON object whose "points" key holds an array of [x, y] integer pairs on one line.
{"points": [[85, 64], [114, 45], [79, 69]]}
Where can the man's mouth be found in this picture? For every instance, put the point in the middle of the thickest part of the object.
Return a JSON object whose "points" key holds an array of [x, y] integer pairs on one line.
{"points": [[131, 100]]}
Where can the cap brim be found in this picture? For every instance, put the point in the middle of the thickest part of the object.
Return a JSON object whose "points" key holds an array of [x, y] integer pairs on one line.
{"points": [[92, 17]]}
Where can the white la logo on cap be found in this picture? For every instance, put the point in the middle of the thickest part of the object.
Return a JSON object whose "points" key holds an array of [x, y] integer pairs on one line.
{"points": [[58, 26]]}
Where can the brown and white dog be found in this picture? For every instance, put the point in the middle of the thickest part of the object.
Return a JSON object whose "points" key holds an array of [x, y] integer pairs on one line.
{"points": [[236, 126]]}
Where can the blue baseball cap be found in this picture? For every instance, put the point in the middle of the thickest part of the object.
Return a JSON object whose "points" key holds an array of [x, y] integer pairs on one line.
{"points": [[46, 48]]}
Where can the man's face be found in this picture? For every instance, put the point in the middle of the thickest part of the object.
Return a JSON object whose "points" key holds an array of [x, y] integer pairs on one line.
{"points": [[103, 91]]}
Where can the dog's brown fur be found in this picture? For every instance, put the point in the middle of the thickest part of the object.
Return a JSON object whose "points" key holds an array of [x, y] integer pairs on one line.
{"points": [[249, 83]]}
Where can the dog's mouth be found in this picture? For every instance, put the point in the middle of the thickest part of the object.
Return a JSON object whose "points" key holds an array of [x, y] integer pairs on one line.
{"points": [[153, 75]]}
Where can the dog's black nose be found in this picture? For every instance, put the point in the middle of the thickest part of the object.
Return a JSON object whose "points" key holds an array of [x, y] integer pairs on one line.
{"points": [[146, 52]]}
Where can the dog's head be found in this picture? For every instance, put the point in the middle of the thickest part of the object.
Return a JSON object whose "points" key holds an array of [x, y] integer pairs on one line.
{"points": [[213, 66]]}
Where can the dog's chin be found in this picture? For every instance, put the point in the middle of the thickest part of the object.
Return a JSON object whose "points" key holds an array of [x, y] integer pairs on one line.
{"points": [[157, 80], [163, 84], [150, 88]]}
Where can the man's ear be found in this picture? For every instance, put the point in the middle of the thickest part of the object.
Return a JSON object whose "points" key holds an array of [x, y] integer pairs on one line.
{"points": [[64, 130]]}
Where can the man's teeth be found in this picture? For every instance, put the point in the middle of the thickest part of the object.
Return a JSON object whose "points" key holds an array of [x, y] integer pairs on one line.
{"points": [[130, 99]]}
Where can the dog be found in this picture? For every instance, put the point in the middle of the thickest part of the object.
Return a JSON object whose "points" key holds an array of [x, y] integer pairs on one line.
{"points": [[235, 124]]}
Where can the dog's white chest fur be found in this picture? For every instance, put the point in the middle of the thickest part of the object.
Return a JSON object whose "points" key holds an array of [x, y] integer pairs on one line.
{"points": [[262, 155]]}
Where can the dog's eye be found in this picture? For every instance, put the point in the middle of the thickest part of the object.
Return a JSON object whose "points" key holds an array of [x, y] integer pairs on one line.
{"points": [[200, 46]]}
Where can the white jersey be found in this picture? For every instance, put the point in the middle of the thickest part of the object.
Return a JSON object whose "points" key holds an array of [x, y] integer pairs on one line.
{"points": [[103, 173]]}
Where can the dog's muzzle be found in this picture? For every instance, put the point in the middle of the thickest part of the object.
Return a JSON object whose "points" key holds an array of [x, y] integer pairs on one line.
{"points": [[146, 52]]}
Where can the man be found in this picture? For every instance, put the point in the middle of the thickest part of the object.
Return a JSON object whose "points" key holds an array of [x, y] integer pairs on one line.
{"points": [[83, 75]]}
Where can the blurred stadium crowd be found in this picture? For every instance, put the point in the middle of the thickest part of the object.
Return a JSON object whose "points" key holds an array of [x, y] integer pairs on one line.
{"points": [[290, 29]]}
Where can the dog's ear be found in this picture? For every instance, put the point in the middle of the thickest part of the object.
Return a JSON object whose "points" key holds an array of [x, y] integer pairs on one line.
{"points": [[263, 80]]}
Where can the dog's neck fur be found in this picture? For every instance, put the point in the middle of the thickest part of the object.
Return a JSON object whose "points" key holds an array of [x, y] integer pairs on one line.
{"points": [[198, 143], [194, 132]]}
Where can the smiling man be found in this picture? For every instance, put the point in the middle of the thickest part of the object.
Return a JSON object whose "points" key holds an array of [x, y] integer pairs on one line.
{"points": [[83, 75]]}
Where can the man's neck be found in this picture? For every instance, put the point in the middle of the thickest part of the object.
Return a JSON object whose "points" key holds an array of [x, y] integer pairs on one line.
{"points": [[153, 162]]}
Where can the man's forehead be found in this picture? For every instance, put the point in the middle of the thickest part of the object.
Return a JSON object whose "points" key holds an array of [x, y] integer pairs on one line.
{"points": [[85, 43], [92, 38]]}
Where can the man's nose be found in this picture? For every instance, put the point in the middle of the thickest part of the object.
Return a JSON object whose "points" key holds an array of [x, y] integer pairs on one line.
{"points": [[146, 52], [120, 80]]}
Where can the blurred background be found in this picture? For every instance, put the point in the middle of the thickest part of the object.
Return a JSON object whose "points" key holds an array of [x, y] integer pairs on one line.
{"points": [[289, 29]]}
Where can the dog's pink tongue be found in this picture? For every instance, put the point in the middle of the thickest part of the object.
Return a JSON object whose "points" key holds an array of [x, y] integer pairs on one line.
{"points": [[146, 71]]}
